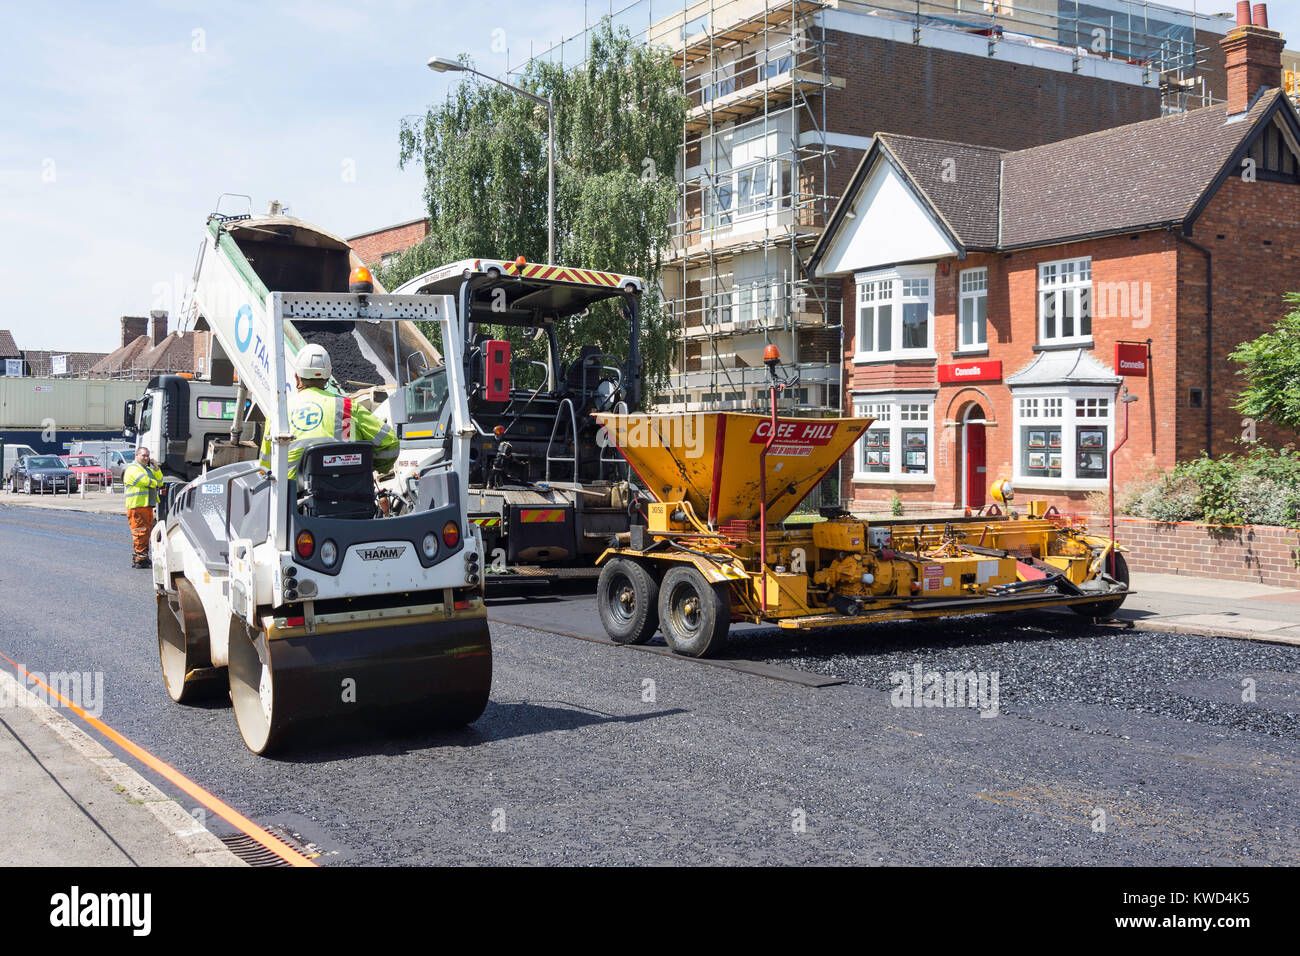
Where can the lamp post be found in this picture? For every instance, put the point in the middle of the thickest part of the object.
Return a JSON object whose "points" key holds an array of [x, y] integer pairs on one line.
{"points": [[441, 64]]}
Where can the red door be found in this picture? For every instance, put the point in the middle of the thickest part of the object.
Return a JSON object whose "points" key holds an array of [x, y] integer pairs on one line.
{"points": [[975, 474]]}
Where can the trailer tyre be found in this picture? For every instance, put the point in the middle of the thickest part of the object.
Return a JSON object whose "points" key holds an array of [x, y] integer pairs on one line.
{"points": [[627, 598], [1101, 610], [694, 615]]}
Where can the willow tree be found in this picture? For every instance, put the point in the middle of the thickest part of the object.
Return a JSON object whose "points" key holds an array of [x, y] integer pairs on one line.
{"points": [[618, 127]]}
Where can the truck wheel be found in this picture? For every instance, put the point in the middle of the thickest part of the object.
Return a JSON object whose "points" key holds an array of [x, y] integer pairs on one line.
{"points": [[627, 598], [1101, 610], [694, 615]]}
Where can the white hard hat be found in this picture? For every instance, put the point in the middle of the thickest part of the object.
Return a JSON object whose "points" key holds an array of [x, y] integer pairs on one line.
{"points": [[312, 363]]}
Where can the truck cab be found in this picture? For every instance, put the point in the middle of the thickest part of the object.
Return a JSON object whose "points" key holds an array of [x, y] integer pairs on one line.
{"points": [[178, 419]]}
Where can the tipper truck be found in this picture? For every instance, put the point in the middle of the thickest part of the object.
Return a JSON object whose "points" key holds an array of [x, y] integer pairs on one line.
{"points": [[297, 593]]}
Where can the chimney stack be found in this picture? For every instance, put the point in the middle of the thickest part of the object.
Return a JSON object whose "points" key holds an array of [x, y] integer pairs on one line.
{"points": [[133, 326], [1253, 54], [159, 317]]}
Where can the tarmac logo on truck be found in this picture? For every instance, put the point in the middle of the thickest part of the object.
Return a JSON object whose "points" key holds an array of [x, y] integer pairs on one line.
{"points": [[382, 554], [246, 337], [244, 328]]}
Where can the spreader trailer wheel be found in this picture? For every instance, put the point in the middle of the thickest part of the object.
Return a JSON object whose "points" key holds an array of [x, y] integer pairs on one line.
{"points": [[627, 599], [694, 615], [1105, 609]]}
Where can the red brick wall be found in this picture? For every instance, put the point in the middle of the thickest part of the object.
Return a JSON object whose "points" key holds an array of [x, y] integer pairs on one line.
{"points": [[374, 245], [1249, 280], [1261, 555], [923, 91]]}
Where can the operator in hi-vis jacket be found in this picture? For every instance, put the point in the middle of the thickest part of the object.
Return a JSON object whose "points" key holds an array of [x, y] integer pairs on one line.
{"points": [[142, 479], [316, 413]]}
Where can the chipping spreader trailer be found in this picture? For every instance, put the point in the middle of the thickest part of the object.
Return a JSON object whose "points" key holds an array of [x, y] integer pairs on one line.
{"points": [[716, 547], [296, 593]]}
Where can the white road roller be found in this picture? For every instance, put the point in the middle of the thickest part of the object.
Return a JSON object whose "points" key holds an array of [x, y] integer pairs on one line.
{"points": [[298, 593]]}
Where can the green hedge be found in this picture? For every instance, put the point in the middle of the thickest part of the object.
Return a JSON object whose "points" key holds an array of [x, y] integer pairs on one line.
{"points": [[1260, 487]]}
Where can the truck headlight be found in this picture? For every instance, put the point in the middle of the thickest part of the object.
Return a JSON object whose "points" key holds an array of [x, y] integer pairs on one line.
{"points": [[329, 553], [429, 545]]}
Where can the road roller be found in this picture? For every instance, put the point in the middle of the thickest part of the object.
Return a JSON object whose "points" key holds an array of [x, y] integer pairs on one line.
{"points": [[719, 544], [293, 589]]}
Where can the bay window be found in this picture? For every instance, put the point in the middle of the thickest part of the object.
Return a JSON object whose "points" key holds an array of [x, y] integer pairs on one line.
{"points": [[1065, 302], [972, 332], [895, 315], [899, 445], [1063, 437]]}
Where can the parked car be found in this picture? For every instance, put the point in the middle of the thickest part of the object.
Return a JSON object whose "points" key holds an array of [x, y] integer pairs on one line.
{"points": [[88, 469], [97, 447], [42, 474], [118, 460], [12, 452]]}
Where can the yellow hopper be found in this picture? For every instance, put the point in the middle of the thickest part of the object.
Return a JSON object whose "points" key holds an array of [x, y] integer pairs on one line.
{"points": [[711, 459]]}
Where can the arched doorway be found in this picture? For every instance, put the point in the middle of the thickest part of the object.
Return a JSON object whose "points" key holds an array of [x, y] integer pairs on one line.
{"points": [[974, 474]]}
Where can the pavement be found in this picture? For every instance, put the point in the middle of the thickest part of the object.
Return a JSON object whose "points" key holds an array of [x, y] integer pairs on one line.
{"points": [[1182, 604], [590, 753], [69, 802], [95, 501]]}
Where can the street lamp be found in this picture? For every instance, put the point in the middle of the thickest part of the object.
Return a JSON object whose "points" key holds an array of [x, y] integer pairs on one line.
{"points": [[441, 64]]}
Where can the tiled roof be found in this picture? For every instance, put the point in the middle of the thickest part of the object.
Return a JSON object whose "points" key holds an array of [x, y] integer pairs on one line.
{"points": [[1072, 366], [8, 347], [79, 363], [1145, 174], [960, 182], [124, 358]]}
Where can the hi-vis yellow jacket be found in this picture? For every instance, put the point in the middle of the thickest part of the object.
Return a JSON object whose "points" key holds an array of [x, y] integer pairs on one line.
{"points": [[142, 485], [316, 413]]}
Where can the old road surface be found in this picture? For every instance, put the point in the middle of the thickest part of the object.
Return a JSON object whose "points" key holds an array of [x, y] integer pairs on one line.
{"points": [[1107, 747]]}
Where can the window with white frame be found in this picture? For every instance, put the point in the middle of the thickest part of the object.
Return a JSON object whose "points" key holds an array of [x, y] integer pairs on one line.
{"points": [[973, 310], [895, 315], [1063, 437], [899, 444], [1065, 302]]}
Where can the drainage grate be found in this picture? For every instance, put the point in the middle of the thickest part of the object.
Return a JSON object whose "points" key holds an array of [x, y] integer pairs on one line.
{"points": [[254, 854]]}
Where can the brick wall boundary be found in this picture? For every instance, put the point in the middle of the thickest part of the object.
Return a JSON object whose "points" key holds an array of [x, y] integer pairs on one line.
{"points": [[1259, 554]]}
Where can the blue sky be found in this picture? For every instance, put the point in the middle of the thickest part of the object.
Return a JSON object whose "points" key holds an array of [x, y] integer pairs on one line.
{"points": [[124, 122]]}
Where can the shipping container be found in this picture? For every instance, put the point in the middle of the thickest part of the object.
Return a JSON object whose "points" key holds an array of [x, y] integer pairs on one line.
{"points": [[65, 403]]}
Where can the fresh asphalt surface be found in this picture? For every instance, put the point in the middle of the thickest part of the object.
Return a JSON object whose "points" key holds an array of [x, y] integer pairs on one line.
{"points": [[572, 764]]}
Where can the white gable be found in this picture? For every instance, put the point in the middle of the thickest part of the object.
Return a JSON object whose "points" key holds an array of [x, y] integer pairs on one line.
{"points": [[890, 225]]}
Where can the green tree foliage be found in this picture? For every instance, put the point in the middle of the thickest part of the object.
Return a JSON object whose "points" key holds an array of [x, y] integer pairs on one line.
{"points": [[1271, 367], [618, 125]]}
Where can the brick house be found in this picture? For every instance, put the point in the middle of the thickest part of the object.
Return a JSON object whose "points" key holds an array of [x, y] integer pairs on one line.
{"points": [[987, 294], [382, 246]]}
